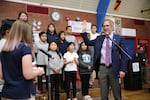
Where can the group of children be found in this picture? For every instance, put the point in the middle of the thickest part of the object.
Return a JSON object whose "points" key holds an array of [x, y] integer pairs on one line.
{"points": [[64, 59]]}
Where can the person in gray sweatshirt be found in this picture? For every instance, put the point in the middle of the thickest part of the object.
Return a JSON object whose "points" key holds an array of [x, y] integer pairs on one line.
{"points": [[55, 69], [85, 68], [41, 59]]}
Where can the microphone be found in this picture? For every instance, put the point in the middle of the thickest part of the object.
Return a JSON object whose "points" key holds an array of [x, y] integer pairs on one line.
{"points": [[104, 34], [107, 36], [46, 54]]}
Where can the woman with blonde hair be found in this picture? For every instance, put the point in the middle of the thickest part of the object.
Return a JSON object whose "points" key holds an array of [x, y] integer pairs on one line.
{"points": [[16, 63]]}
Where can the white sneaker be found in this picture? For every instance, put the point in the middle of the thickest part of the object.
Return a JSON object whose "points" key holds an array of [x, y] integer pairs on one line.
{"points": [[87, 97], [75, 99]]}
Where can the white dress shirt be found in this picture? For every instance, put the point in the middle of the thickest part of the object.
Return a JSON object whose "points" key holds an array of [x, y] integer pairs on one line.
{"points": [[103, 50]]}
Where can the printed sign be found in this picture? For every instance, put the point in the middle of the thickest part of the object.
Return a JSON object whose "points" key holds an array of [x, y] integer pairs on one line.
{"points": [[77, 26]]}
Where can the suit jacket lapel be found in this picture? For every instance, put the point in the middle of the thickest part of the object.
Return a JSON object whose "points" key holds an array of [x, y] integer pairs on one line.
{"points": [[103, 37], [114, 39]]}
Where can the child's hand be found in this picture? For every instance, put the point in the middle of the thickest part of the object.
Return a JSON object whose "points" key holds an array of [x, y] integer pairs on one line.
{"points": [[76, 61], [41, 71], [89, 67], [56, 70], [71, 61]]}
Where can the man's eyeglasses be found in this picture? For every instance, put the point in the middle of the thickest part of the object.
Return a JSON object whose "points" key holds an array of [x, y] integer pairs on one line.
{"points": [[106, 25]]}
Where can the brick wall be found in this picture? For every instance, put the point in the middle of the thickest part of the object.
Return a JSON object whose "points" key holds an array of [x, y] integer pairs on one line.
{"points": [[143, 31], [11, 10]]}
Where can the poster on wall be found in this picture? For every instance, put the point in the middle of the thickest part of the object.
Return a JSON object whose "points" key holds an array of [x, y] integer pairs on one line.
{"points": [[36, 36], [118, 25], [77, 26], [128, 32]]}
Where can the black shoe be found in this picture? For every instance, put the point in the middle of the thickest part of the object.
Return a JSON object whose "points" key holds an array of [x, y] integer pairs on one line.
{"points": [[62, 90], [90, 86], [97, 78]]}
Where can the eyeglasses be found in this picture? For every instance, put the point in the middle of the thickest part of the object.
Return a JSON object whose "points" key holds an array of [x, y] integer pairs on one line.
{"points": [[106, 25]]}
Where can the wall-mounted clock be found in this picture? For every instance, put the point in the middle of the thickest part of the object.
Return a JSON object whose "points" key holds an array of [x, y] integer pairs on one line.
{"points": [[55, 16]]}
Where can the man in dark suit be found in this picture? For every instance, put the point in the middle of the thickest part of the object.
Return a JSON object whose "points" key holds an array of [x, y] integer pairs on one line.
{"points": [[109, 59]]}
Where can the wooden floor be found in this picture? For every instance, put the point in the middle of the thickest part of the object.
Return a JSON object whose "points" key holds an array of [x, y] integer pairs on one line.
{"points": [[126, 95], [143, 94], [136, 95]]}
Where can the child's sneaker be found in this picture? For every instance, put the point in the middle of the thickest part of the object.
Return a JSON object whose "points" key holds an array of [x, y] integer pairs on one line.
{"points": [[87, 97], [75, 99]]}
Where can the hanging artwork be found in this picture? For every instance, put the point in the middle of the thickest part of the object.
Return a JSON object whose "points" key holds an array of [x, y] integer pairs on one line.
{"points": [[117, 5], [36, 27]]}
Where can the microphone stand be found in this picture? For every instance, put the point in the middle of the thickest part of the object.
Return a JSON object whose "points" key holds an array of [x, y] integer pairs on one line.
{"points": [[119, 47], [122, 50], [49, 83]]}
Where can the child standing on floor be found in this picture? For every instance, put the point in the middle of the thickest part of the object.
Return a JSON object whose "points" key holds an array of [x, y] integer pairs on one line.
{"points": [[71, 62], [62, 42], [92, 36], [51, 33], [41, 57], [4, 33], [55, 69], [85, 68], [62, 45]]}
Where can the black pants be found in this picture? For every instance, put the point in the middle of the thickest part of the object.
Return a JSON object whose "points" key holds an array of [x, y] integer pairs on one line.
{"points": [[40, 83], [143, 74], [70, 77], [0, 95], [62, 79], [85, 83], [55, 84]]}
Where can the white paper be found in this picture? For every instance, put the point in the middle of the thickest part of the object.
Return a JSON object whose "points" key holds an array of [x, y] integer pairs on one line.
{"points": [[128, 32], [77, 26], [135, 67]]}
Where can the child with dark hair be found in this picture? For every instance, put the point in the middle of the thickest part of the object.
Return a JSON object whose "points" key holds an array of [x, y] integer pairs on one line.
{"points": [[71, 62], [85, 68], [54, 69], [4, 30], [51, 33], [62, 43], [41, 57], [92, 36], [70, 37]]}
